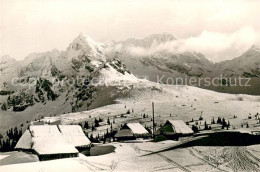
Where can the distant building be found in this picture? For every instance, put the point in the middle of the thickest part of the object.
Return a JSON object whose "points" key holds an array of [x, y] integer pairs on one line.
{"points": [[132, 131], [173, 129], [52, 142]]}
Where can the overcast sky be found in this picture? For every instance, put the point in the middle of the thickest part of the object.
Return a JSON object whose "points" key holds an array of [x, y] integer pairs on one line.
{"points": [[220, 29]]}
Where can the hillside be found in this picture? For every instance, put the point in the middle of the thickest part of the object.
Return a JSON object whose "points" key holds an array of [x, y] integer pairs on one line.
{"points": [[171, 102]]}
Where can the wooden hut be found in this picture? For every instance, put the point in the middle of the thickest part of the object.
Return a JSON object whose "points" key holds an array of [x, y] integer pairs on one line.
{"points": [[48, 143], [173, 129], [132, 131]]}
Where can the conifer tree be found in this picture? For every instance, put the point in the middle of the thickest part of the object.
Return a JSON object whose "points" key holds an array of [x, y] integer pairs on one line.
{"points": [[206, 126], [86, 125], [108, 121], [96, 122]]}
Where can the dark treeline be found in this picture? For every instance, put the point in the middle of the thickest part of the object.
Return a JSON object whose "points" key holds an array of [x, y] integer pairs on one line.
{"points": [[9, 140]]}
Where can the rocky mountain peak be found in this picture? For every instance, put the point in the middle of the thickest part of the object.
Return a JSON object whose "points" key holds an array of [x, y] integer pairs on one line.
{"points": [[86, 44]]}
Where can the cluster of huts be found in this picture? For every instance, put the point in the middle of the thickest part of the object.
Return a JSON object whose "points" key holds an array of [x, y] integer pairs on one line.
{"points": [[64, 141], [172, 129]]}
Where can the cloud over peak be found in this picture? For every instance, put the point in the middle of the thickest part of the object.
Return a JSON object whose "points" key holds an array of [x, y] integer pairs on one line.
{"points": [[216, 46]]}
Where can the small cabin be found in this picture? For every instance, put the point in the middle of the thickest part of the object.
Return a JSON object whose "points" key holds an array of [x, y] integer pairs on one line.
{"points": [[132, 131], [173, 129]]}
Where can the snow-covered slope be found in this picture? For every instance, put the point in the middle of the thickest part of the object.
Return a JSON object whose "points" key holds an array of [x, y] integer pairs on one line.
{"points": [[182, 102]]}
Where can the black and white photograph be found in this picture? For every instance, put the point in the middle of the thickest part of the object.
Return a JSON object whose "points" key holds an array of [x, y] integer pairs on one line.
{"points": [[130, 85]]}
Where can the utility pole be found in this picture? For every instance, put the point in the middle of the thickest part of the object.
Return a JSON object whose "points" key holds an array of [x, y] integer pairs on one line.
{"points": [[153, 119]]}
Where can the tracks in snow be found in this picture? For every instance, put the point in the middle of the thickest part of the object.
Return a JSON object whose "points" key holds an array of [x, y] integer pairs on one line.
{"points": [[174, 163], [191, 151], [237, 158]]}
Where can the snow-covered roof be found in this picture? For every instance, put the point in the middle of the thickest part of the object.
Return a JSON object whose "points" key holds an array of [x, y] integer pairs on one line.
{"points": [[25, 142], [52, 145], [47, 139], [73, 134], [44, 130], [52, 139], [137, 128], [180, 127]]}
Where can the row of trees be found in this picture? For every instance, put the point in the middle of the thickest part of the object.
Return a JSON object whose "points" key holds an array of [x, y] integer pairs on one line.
{"points": [[7, 145], [96, 123], [9, 140], [222, 121], [102, 138]]}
